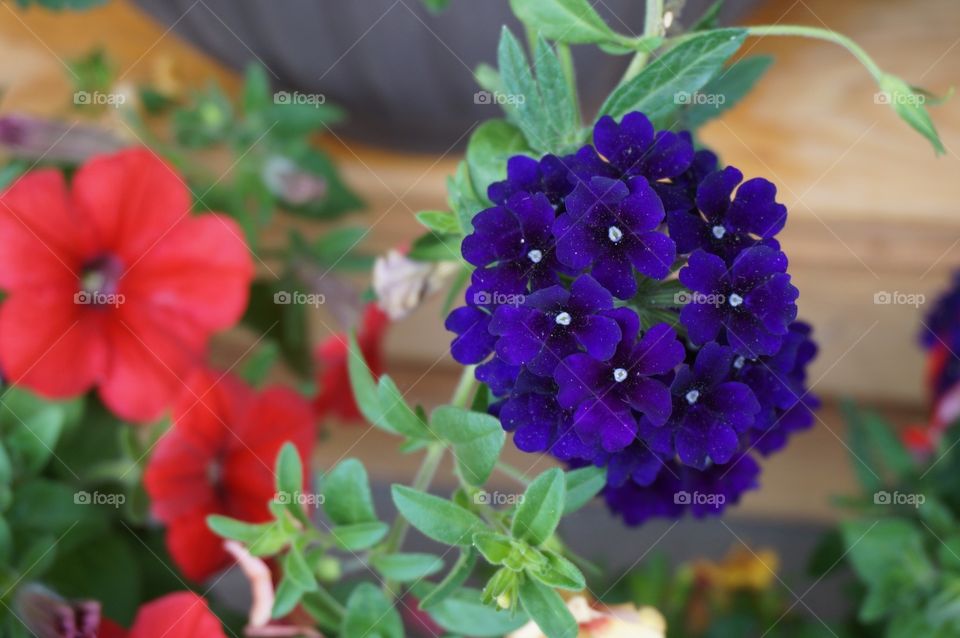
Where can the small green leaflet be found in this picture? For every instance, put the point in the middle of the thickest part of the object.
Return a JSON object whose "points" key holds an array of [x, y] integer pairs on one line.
{"points": [[477, 440], [435, 517], [369, 615], [541, 508]]}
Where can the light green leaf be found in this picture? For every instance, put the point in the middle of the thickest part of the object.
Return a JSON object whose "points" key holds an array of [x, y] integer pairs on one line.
{"points": [[296, 569], [464, 200], [489, 147], [257, 367], [909, 105], [547, 609], [287, 597], [442, 222], [273, 539], [359, 535], [363, 384], [477, 440], [452, 582], [495, 548], [397, 414], [571, 21], [246, 533], [724, 91], [560, 109], [582, 485], [522, 101], [435, 517], [404, 568], [541, 508], [369, 615], [289, 472], [559, 572], [347, 499], [683, 69], [463, 613]]}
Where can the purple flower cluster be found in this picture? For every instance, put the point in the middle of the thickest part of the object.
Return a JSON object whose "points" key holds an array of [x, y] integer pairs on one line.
{"points": [[565, 315], [940, 335]]}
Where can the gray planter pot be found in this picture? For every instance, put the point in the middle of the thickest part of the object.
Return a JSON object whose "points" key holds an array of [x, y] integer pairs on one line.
{"points": [[404, 75]]}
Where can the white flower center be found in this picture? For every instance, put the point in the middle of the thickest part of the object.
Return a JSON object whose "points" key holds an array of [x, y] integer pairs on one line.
{"points": [[535, 256], [619, 375], [735, 299], [615, 234], [738, 362], [692, 396], [718, 231], [563, 319]]}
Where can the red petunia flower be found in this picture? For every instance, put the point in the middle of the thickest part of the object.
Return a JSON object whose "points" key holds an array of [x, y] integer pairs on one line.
{"points": [[334, 396], [111, 283], [182, 614], [218, 458]]}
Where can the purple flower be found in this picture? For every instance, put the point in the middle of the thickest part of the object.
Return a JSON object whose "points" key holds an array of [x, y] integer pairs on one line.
{"points": [[555, 322], [725, 228], [634, 148], [710, 410], [553, 176], [513, 244], [473, 342], [611, 226], [535, 419], [607, 396], [751, 303]]}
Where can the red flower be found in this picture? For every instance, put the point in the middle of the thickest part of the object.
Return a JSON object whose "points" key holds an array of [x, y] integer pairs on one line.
{"points": [[182, 614], [334, 396], [111, 283], [218, 458]]}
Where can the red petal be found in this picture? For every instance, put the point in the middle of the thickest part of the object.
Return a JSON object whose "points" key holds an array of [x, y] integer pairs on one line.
{"points": [[110, 629], [201, 271], [131, 200], [177, 615], [195, 550], [50, 344]]}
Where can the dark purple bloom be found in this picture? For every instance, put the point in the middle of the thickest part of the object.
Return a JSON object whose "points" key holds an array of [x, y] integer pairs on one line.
{"points": [[634, 148], [553, 176], [710, 410], [513, 244], [498, 375], [636, 463], [607, 396], [611, 226], [534, 418], [555, 322], [724, 227], [751, 303], [473, 342]]}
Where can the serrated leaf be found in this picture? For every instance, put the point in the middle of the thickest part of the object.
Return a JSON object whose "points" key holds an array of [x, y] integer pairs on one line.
{"points": [[582, 485], [369, 615], [522, 101], [435, 517], [540, 510], [404, 568], [571, 21], [547, 609], [359, 535], [347, 499], [490, 145], [683, 69], [477, 440], [561, 110]]}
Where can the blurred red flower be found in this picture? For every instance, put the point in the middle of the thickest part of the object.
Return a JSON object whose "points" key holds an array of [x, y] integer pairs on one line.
{"points": [[218, 458], [111, 283], [182, 614], [334, 395]]}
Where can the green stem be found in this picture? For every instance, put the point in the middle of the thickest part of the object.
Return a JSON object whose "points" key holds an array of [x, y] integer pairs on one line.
{"points": [[820, 34], [464, 390], [330, 601], [513, 472], [566, 63], [652, 26]]}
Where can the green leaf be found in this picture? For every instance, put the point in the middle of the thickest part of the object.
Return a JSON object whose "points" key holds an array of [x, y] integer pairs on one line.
{"points": [[323, 610], [359, 535], [909, 105], [876, 448], [490, 145], [361, 380], [463, 613], [724, 91], [571, 21], [561, 110], [347, 499], [287, 597], [683, 69], [438, 221], [397, 415], [452, 582], [256, 90], [559, 572], [369, 614], [547, 609], [433, 247], [295, 568], [522, 101], [257, 367], [404, 568], [463, 198], [246, 533], [289, 472], [495, 548], [541, 508], [435, 517], [477, 440], [582, 485], [709, 18], [436, 6]]}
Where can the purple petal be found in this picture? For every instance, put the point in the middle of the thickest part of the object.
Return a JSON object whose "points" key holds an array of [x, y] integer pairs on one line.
{"points": [[659, 351], [577, 378], [652, 254], [588, 296], [713, 194], [755, 210], [607, 421], [736, 402], [703, 272], [651, 398], [473, 342], [702, 321], [669, 156], [599, 336], [615, 273]]}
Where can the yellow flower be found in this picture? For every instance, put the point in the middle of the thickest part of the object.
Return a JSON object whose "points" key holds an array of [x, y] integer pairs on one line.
{"points": [[740, 569]]}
